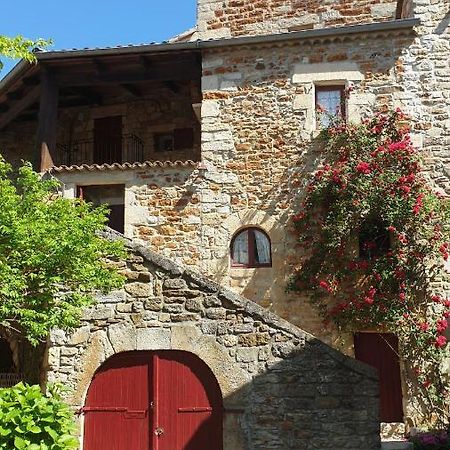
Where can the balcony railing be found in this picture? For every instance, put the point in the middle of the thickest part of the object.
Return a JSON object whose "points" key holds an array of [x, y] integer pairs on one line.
{"points": [[87, 151], [10, 379]]}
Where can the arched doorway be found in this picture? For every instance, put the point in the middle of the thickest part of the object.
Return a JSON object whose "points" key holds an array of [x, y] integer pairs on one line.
{"points": [[164, 400]]}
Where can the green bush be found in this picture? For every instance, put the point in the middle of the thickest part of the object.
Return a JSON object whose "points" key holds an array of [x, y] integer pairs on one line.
{"points": [[32, 420]]}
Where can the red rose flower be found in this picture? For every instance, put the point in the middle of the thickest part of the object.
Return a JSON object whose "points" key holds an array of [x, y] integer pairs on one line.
{"points": [[441, 325], [364, 168], [440, 341]]}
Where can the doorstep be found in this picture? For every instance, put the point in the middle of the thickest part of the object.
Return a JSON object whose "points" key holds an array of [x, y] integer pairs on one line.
{"points": [[396, 445]]}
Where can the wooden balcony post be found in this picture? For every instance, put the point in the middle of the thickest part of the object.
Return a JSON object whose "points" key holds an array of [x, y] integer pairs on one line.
{"points": [[48, 114]]}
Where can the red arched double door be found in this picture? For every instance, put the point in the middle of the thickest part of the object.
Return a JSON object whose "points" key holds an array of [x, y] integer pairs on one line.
{"points": [[165, 400]]}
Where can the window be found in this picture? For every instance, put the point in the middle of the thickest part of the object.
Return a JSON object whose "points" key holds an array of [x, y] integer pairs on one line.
{"points": [[405, 9], [163, 142], [113, 195], [251, 248], [178, 139], [374, 240], [331, 101]]}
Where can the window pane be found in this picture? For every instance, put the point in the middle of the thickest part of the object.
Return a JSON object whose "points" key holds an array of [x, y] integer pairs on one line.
{"points": [[240, 249], [262, 248], [330, 101]]}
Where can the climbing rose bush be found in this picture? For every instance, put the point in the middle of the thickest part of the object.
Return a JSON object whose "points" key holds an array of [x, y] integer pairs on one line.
{"points": [[375, 238]]}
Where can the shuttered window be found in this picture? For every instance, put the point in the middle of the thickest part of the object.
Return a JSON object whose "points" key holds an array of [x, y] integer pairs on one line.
{"points": [[176, 140]]}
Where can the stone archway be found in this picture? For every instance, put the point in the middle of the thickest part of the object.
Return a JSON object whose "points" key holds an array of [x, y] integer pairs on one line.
{"points": [[260, 361]]}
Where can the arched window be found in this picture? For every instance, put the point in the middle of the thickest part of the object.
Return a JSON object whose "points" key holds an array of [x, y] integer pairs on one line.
{"points": [[250, 247]]}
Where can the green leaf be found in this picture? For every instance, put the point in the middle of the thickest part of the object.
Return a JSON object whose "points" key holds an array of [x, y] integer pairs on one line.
{"points": [[20, 443]]}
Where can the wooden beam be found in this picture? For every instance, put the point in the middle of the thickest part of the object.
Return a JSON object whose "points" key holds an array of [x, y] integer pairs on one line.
{"points": [[16, 95], [173, 73], [47, 122], [16, 108], [31, 81], [174, 87], [131, 89], [88, 94], [100, 67], [146, 64]]}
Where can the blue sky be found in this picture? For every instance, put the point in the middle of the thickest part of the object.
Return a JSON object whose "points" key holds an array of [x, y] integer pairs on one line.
{"points": [[96, 23]]}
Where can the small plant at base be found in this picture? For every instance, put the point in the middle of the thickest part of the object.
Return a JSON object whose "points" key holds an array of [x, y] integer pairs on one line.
{"points": [[432, 440], [31, 420]]}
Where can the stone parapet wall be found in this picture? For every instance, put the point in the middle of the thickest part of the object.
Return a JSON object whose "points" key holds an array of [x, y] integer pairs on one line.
{"points": [[282, 388], [219, 18]]}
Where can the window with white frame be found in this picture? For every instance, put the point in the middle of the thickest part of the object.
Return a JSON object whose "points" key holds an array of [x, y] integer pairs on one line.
{"points": [[330, 103], [251, 248]]}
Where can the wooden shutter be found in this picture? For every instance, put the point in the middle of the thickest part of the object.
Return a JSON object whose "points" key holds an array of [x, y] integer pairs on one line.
{"points": [[167, 400], [108, 140], [183, 138], [117, 405], [189, 403]]}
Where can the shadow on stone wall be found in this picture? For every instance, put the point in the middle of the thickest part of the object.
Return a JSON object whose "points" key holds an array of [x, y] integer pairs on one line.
{"points": [[308, 400], [282, 388]]}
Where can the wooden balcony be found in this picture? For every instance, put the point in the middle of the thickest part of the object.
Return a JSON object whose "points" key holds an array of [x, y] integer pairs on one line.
{"points": [[89, 151]]}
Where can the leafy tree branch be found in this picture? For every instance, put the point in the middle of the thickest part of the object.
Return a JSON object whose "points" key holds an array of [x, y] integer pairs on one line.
{"points": [[51, 257]]}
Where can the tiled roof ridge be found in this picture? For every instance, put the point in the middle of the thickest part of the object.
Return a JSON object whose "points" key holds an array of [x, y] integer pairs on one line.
{"points": [[121, 166]]}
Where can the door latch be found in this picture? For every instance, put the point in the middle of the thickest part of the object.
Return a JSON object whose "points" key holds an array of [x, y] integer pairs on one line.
{"points": [[159, 431]]}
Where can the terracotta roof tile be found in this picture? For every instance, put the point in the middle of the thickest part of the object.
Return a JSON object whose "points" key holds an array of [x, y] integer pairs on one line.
{"points": [[124, 166]]}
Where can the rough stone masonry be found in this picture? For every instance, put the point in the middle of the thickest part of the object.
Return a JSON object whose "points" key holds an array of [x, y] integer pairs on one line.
{"points": [[282, 388]]}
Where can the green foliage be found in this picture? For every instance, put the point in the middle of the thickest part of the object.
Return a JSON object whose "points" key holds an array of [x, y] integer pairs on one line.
{"points": [[19, 47], [51, 257], [31, 420], [371, 189]]}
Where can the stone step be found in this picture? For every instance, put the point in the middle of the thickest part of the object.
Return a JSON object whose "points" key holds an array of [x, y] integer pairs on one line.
{"points": [[396, 445]]}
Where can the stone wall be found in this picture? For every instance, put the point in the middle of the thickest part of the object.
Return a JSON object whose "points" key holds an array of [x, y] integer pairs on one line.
{"points": [[259, 129], [17, 143], [162, 205], [219, 18], [282, 388], [259, 144]]}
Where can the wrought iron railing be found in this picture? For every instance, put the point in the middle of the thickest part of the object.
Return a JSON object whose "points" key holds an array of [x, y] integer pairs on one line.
{"points": [[10, 379], [87, 151]]}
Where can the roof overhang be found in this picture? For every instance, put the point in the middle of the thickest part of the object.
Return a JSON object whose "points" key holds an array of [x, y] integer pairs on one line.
{"points": [[171, 58]]}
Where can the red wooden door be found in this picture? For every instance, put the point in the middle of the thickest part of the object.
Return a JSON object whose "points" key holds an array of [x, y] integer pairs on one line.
{"points": [[380, 350], [117, 406], [108, 140], [188, 403], [153, 400]]}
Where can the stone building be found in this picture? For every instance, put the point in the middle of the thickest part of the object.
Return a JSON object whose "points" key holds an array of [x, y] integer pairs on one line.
{"points": [[201, 147]]}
